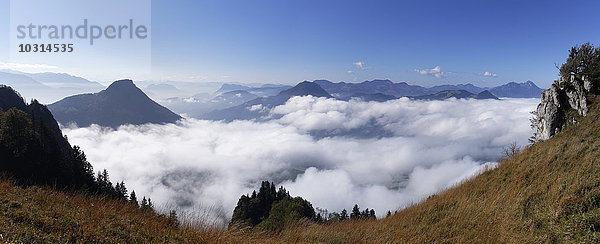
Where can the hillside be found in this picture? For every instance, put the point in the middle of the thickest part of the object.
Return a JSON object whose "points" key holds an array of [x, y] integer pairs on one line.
{"points": [[44, 215], [121, 103]]}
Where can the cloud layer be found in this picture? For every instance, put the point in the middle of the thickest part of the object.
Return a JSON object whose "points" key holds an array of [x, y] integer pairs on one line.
{"points": [[28, 67], [420, 148]]}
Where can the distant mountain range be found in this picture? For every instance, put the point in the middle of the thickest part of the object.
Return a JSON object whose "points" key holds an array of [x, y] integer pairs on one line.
{"points": [[262, 91], [260, 107], [466, 87], [458, 94], [121, 103], [386, 87], [518, 90], [375, 90], [402, 89], [209, 101], [47, 87]]}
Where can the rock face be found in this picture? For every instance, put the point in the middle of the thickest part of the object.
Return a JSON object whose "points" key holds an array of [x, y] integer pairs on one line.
{"points": [[564, 94]]}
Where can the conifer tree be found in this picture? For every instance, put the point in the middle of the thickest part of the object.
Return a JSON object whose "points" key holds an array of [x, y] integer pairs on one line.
{"points": [[144, 203], [121, 191], [172, 219], [150, 203], [365, 214], [133, 198], [355, 214], [344, 215]]}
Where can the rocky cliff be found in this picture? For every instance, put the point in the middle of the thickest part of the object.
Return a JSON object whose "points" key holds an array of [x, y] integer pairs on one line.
{"points": [[563, 95]]}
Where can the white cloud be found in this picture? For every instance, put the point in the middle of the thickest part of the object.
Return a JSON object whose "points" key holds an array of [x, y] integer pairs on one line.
{"points": [[488, 74], [436, 72], [360, 65], [257, 107], [431, 145], [28, 67], [191, 100]]}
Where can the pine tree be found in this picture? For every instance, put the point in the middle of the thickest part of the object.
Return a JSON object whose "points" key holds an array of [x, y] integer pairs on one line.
{"points": [[150, 203], [105, 177], [99, 179], [319, 219], [121, 191], [172, 219], [365, 214], [133, 198], [144, 204], [344, 215], [355, 212], [389, 213], [282, 193], [372, 214]]}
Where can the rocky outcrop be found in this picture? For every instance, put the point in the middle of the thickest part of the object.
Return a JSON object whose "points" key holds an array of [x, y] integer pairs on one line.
{"points": [[563, 95]]}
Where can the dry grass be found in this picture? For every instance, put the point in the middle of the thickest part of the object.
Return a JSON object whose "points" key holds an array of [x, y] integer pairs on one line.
{"points": [[44, 215], [549, 192]]}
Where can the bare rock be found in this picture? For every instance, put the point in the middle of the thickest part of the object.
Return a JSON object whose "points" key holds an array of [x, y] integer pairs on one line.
{"points": [[563, 94]]}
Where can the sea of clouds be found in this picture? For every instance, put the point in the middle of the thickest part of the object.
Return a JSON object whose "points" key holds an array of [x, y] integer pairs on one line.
{"points": [[380, 155]]}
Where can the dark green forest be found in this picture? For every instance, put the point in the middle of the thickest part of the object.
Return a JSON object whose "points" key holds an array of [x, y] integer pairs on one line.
{"points": [[272, 210]]}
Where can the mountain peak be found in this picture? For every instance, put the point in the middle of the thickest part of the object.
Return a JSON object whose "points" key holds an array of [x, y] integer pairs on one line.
{"points": [[320, 82], [306, 88], [531, 84], [377, 81], [120, 84], [9, 98], [485, 95], [121, 103], [514, 89], [125, 89]]}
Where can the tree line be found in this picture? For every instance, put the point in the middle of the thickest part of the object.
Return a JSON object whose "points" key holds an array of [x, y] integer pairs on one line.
{"points": [[273, 209]]}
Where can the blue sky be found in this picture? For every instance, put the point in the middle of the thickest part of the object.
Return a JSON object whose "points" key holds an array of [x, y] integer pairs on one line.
{"points": [[291, 41]]}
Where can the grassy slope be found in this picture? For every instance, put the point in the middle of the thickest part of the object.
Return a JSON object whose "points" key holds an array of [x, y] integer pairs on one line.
{"points": [[548, 193], [43, 215]]}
